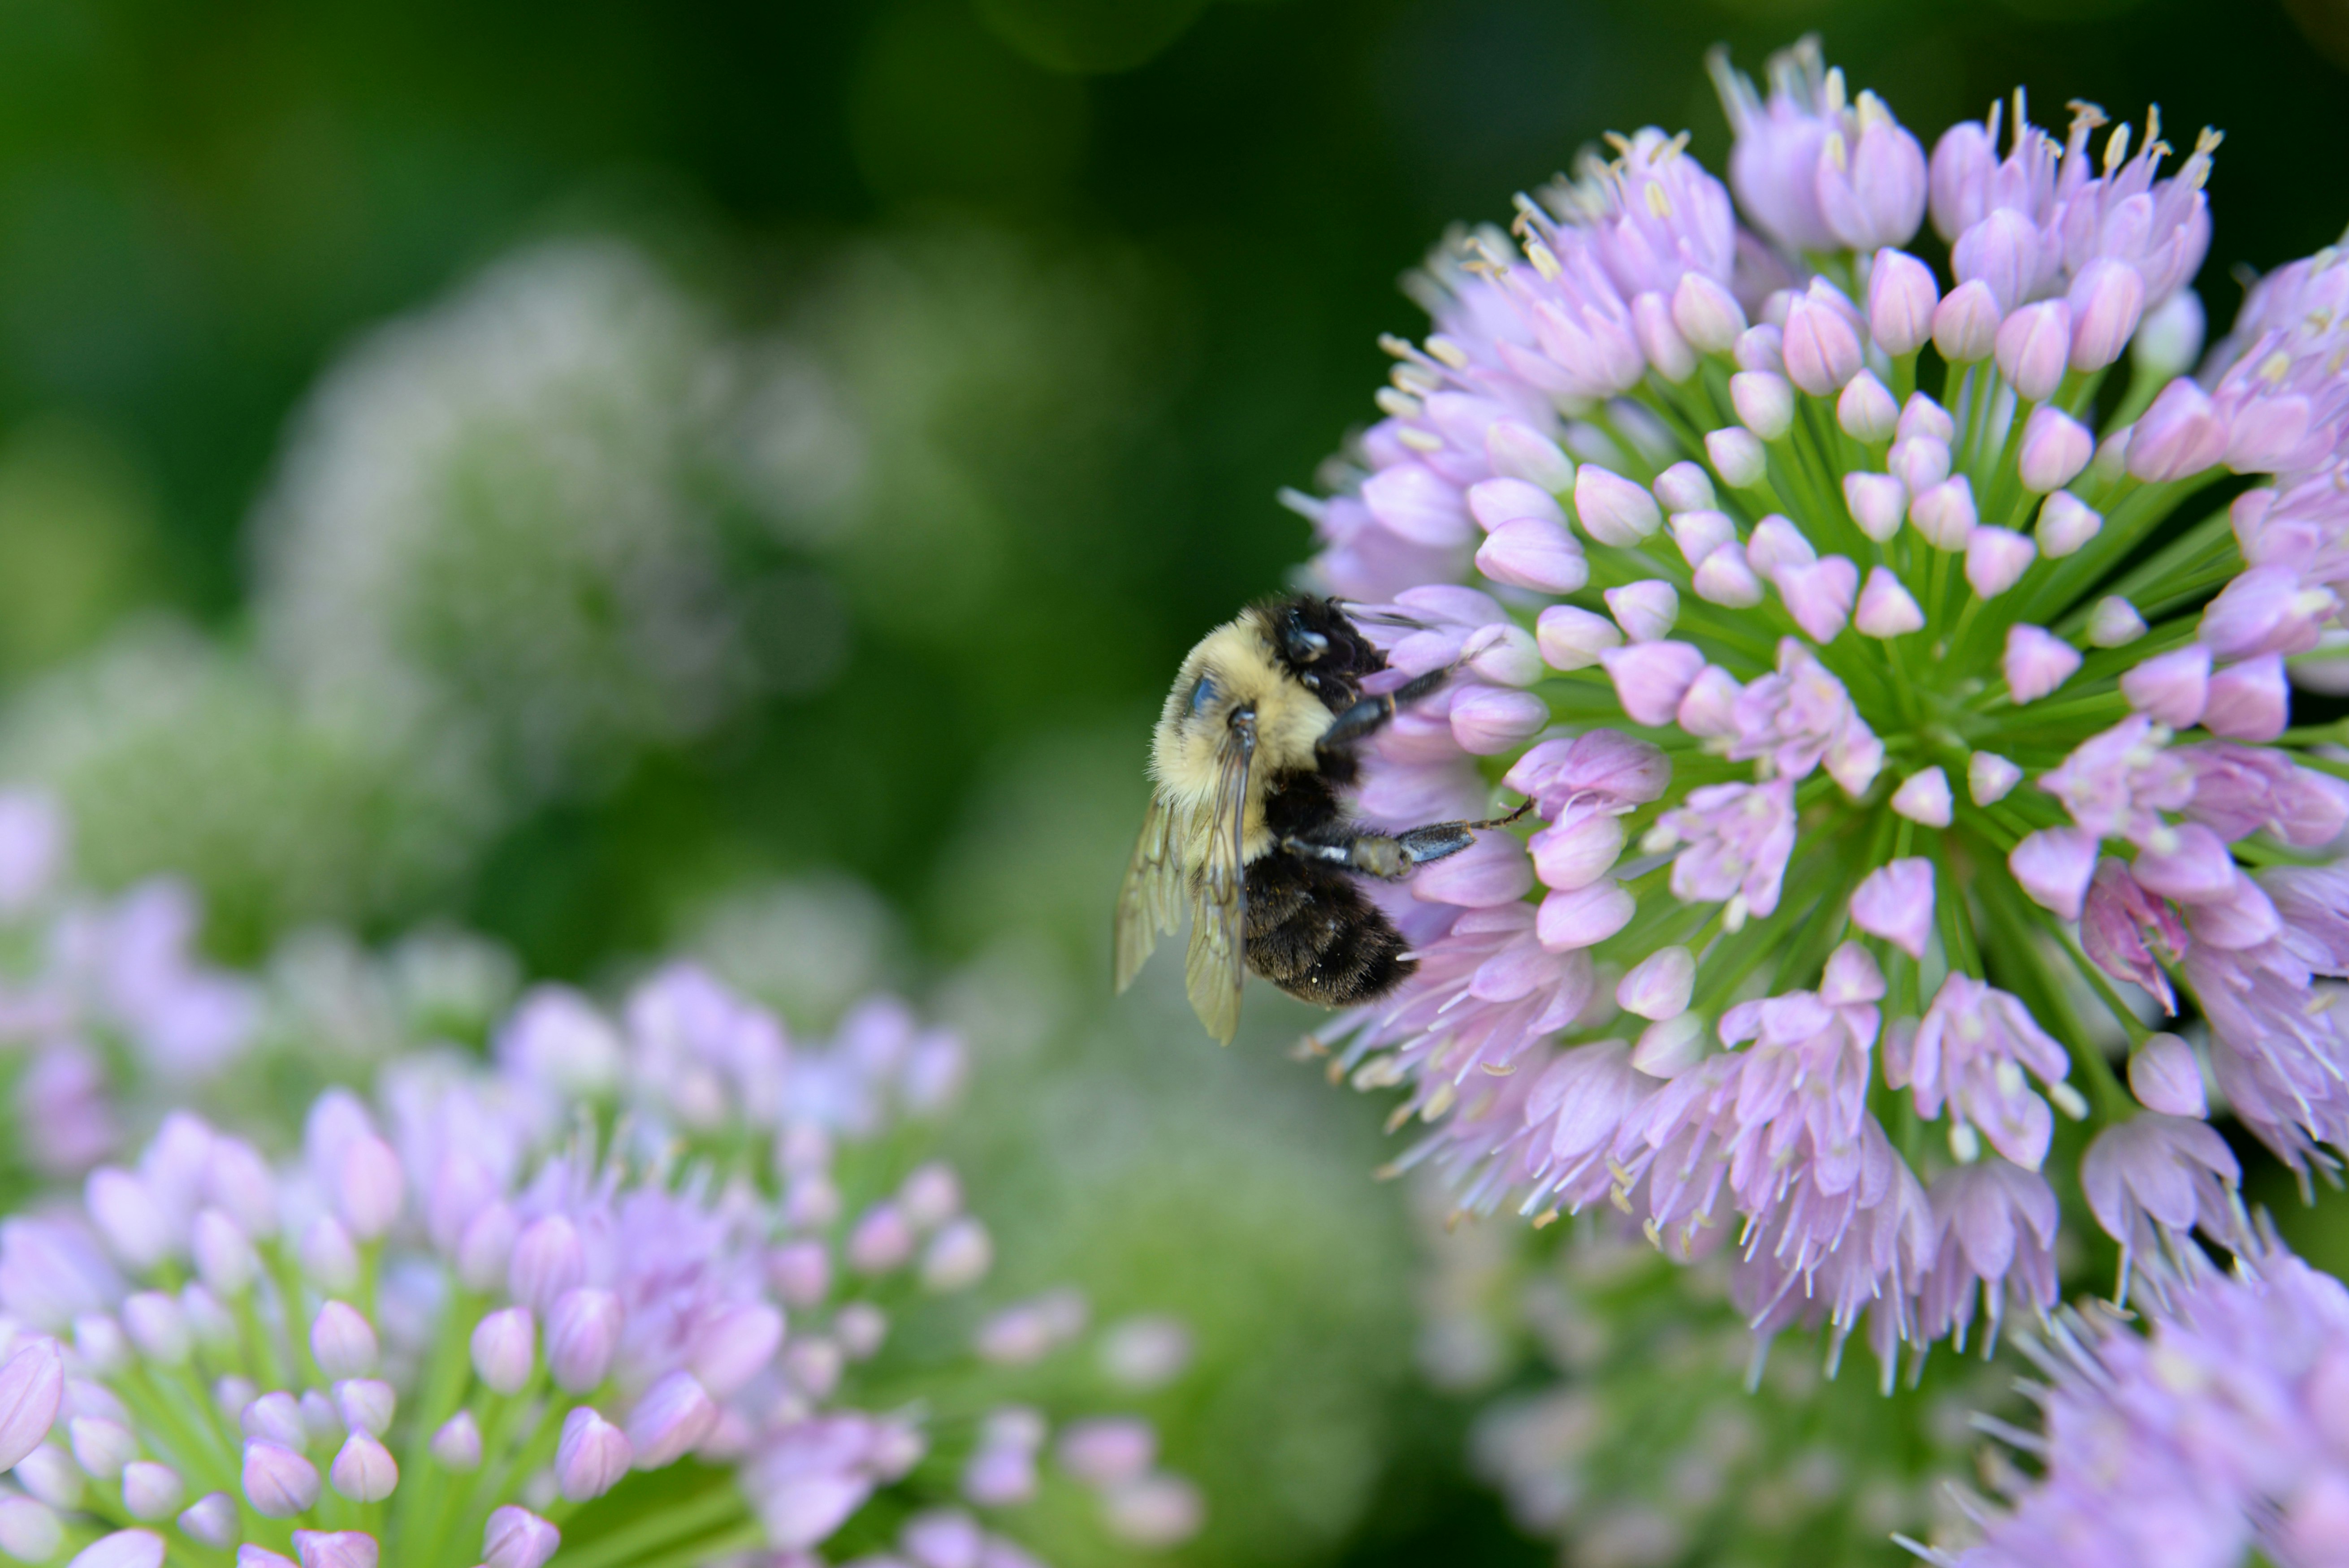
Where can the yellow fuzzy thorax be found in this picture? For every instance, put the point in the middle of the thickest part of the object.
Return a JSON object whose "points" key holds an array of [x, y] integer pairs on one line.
{"points": [[1186, 751]]}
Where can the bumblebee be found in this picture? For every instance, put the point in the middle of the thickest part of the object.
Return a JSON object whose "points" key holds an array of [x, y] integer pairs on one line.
{"points": [[1245, 825]]}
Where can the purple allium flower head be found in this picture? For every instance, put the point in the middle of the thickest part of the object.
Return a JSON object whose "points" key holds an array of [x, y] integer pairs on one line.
{"points": [[1818, 702], [2210, 1432]]}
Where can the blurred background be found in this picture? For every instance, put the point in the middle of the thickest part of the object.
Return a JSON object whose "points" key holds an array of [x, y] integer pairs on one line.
{"points": [[736, 478]]}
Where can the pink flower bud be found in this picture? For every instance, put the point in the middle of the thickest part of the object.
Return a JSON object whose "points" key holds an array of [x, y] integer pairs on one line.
{"points": [[735, 1348], [2034, 346], [958, 1256], [32, 1388], [1157, 1511], [1418, 506], [1761, 348], [369, 1188], [1921, 415], [1573, 639], [1996, 559], [100, 1446], [1901, 297], [1776, 544], [1670, 1047], [1684, 488], [456, 1446], [1527, 552], [2164, 1078], [1737, 455], [881, 1240], [1709, 708], [2107, 299], [2055, 448], [128, 1216], [547, 1261], [591, 1456], [2115, 622], [2037, 662], [1518, 452], [1886, 609], [1671, 355], [327, 1255], [334, 1549], [517, 1538], [1503, 653], [343, 1341], [2172, 687], [1924, 798], [1612, 509], [1000, 1476], [1821, 346], [1578, 849], [1581, 917], [582, 1333], [30, 1531], [670, 1422], [1919, 461], [150, 1490], [2188, 862], [1877, 503], [2053, 866], [212, 1519], [1725, 577], [1104, 1451], [1966, 322], [1495, 502], [1488, 720], [1819, 595], [1645, 609], [278, 1483], [1700, 532], [2267, 610], [505, 1348], [123, 1549], [1764, 403], [1706, 314], [276, 1419], [364, 1470], [1944, 513], [1991, 777], [1866, 411], [801, 1272], [1896, 902], [2180, 435], [2248, 701], [1659, 986], [2169, 339], [1521, 452], [2065, 523], [1651, 678]]}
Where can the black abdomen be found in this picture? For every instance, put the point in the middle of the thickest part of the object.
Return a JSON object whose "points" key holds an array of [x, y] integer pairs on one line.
{"points": [[1311, 933]]}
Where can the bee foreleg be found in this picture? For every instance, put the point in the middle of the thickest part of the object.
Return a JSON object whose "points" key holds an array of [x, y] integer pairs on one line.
{"points": [[1373, 714]]}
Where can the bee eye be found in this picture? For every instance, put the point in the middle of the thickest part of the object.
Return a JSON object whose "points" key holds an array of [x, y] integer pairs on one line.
{"points": [[1202, 696]]}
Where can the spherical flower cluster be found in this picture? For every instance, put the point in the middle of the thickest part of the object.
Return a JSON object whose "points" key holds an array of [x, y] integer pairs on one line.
{"points": [[2220, 1430], [1880, 688], [462, 1314]]}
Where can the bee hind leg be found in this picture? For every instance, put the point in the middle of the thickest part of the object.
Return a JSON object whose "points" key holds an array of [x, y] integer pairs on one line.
{"points": [[1438, 840]]}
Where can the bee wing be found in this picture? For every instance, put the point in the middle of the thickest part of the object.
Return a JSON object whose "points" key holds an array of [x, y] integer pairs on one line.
{"points": [[1151, 901], [1211, 971]]}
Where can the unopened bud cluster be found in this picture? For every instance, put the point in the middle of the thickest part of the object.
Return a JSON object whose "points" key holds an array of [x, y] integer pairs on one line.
{"points": [[462, 1312]]}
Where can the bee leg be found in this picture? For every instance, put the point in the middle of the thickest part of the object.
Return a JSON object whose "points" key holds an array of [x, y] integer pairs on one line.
{"points": [[1372, 713], [1438, 840]]}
